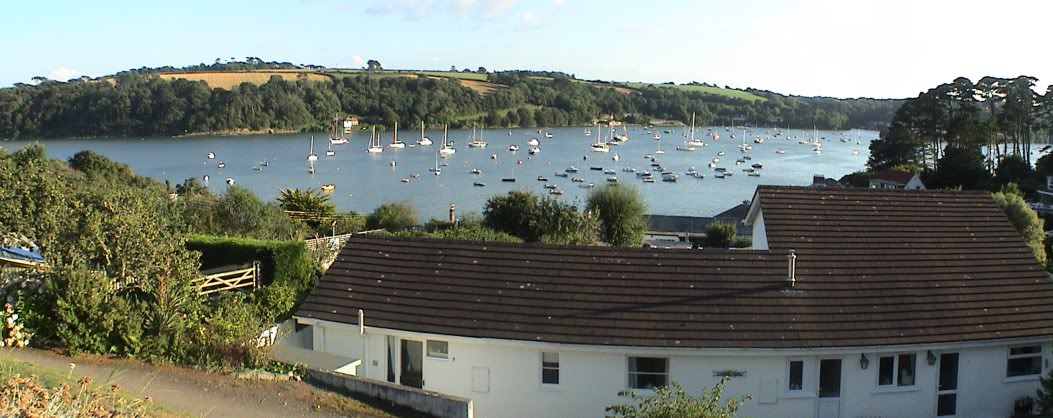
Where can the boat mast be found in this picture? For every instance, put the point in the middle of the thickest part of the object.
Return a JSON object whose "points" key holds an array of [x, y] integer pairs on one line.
{"points": [[395, 135]]}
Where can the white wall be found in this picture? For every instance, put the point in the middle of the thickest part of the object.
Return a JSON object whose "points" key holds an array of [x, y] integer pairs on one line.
{"points": [[590, 378], [760, 237]]}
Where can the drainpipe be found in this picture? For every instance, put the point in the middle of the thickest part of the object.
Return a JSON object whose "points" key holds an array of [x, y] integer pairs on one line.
{"points": [[365, 342], [791, 273]]}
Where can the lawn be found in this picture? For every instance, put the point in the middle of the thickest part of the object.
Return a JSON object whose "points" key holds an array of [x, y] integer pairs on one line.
{"points": [[716, 91]]}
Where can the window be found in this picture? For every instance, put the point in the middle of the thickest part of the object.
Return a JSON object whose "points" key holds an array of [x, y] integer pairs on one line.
{"points": [[549, 368], [796, 375], [1024, 361], [648, 372], [438, 349], [897, 370]]}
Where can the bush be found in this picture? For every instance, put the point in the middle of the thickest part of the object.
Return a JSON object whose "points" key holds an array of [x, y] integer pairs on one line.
{"points": [[393, 216], [26, 397], [280, 261], [720, 234], [621, 210], [673, 402]]}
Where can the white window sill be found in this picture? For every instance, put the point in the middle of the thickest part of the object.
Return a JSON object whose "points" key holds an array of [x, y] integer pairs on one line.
{"points": [[550, 388], [1028, 378], [896, 389], [437, 358]]}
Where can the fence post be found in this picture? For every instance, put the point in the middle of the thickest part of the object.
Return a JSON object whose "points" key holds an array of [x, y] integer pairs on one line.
{"points": [[255, 274]]}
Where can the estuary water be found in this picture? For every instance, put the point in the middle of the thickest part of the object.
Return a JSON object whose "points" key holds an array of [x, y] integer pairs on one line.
{"points": [[364, 180]]}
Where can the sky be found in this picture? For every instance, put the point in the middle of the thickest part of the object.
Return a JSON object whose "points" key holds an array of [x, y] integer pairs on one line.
{"points": [[846, 48]]}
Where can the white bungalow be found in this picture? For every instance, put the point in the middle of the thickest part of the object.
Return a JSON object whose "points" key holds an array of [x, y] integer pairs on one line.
{"points": [[852, 303]]}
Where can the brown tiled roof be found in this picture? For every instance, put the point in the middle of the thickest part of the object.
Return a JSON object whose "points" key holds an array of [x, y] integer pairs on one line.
{"points": [[895, 176], [873, 268]]}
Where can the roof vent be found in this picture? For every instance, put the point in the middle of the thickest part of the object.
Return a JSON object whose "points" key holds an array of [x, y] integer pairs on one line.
{"points": [[791, 272]]}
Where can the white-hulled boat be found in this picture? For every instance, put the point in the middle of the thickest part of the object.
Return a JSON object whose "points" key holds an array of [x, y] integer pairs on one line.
{"points": [[549, 135], [476, 141], [692, 141], [423, 139], [533, 142], [211, 155], [395, 143], [329, 151], [311, 156], [534, 150], [446, 148], [374, 143], [599, 146]]}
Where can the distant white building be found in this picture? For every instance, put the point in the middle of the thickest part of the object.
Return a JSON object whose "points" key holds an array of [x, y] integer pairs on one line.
{"points": [[895, 179], [852, 303]]}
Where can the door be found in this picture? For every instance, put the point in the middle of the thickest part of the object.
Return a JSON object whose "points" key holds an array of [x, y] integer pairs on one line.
{"points": [[829, 404], [412, 364], [947, 386]]}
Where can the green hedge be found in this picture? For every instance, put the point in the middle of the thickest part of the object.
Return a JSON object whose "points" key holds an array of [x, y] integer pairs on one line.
{"points": [[280, 261]]}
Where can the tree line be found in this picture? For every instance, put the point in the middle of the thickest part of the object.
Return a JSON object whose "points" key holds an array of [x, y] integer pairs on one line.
{"points": [[140, 103]]}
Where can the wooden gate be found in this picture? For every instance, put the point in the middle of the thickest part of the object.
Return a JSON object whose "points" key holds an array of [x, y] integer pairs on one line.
{"points": [[242, 277]]}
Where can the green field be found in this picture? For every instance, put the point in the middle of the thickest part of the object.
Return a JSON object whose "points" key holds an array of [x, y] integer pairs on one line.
{"points": [[716, 91], [501, 113]]}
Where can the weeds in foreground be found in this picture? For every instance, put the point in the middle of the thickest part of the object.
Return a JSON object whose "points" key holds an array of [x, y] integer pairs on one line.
{"points": [[26, 397]]}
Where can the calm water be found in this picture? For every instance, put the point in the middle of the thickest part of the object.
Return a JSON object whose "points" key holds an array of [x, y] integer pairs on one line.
{"points": [[365, 180]]}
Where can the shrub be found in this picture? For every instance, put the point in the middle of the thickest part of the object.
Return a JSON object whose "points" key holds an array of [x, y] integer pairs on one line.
{"points": [[392, 216], [280, 261], [621, 210], [720, 234], [673, 402]]}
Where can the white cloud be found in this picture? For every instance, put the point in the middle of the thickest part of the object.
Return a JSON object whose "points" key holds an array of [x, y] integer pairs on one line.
{"points": [[559, 3], [64, 74], [463, 7], [357, 61]]}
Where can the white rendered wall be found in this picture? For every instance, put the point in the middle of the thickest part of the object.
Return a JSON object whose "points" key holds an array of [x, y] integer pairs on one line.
{"points": [[760, 237], [590, 380]]}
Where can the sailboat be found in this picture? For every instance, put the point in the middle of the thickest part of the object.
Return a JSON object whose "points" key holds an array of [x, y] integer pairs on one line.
{"points": [[436, 168], [395, 143], [476, 142], [659, 150], [311, 157], [743, 147], [374, 143], [622, 137], [446, 148], [329, 151], [816, 143], [423, 139], [693, 141], [600, 146], [336, 135]]}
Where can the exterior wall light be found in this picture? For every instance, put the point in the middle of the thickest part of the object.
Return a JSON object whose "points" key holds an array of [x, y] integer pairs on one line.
{"points": [[931, 357], [864, 362]]}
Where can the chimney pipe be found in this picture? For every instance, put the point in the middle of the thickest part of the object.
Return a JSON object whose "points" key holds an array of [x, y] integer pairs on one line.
{"points": [[453, 214], [361, 322], [791, 273]]}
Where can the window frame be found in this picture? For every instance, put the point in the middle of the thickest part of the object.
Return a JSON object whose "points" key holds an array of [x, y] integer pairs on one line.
{"points": [[1010, 356], [428, 352], [629, 372], [542, 368], [896, 386]]}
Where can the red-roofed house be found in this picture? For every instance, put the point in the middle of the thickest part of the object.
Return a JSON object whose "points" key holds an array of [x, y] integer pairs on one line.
{"points": [[895, 179]]}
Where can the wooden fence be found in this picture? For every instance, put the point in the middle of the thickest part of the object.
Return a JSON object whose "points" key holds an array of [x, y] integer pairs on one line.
{"points": [[243, 277]]}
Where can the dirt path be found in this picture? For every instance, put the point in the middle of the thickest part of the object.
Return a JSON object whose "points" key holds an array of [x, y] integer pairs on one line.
{"points": [[198, 393]]}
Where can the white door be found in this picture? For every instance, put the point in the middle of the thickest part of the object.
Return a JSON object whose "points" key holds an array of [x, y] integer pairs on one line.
{"points": [[829, 404]]}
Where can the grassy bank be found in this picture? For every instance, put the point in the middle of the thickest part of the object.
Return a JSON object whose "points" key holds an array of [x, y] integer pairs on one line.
{"points": [[716, 91]]}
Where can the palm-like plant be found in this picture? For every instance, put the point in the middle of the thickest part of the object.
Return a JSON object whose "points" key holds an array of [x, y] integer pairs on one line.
{"points": [[309, 202]]}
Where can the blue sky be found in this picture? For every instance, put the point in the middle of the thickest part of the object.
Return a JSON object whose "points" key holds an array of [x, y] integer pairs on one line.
{"points": [[890, 48]]}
